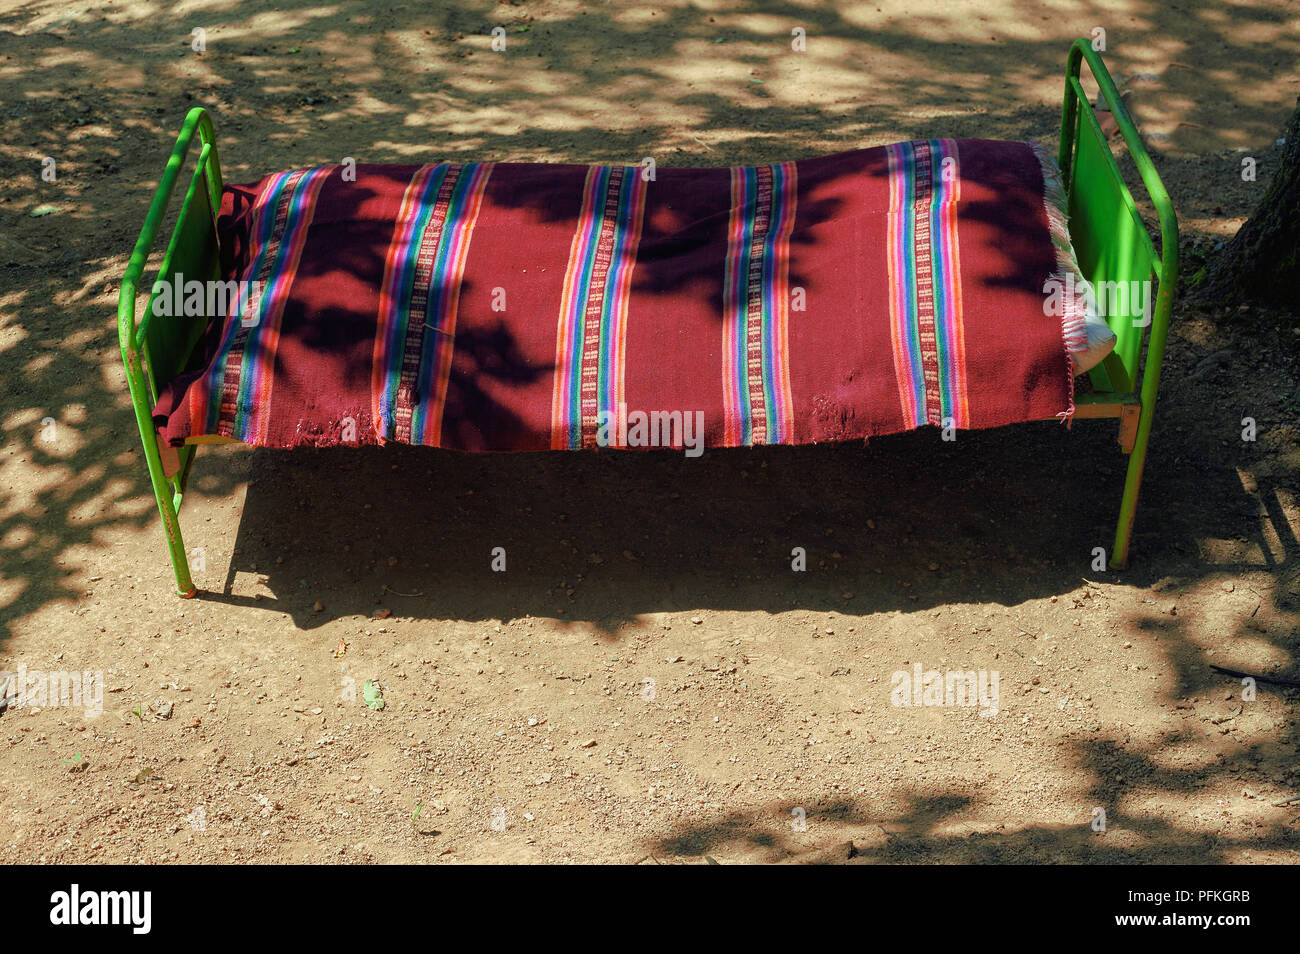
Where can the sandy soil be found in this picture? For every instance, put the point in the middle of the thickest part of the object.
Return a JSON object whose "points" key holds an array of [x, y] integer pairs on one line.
{"points": [[649, 681]]}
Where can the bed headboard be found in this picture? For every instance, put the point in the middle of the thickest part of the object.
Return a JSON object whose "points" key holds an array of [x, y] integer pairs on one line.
{"points": [[1134, 283]]}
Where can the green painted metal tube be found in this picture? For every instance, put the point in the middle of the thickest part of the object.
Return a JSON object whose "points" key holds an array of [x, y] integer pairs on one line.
{"points": [[138, 377], [1081, 51]]}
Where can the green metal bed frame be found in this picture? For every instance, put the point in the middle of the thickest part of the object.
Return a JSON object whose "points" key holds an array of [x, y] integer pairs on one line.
{"points": [[1109, 237]]}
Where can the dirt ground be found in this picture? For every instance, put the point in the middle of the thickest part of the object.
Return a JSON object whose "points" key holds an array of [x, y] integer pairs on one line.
{"points": [[649, 681]]}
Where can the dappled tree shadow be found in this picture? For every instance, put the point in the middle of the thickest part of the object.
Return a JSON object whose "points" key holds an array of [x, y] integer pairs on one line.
{"points": [[1005, 517]]}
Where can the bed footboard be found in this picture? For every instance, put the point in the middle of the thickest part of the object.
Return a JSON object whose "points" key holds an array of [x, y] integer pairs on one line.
{"points": [[156, 347]]}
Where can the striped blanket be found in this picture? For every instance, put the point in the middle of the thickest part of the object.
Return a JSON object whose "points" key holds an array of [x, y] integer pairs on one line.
{"points": [[518, 307]]}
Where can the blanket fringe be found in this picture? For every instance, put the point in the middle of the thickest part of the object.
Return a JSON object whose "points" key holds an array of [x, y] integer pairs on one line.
{"points": [[1074, 303]]}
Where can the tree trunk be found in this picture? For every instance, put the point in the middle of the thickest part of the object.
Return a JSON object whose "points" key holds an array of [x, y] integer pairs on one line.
{"points": [[1262, 261]]}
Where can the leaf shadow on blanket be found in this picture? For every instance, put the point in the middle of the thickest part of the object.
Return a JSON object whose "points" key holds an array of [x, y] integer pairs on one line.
{"points": [[326, 341]]}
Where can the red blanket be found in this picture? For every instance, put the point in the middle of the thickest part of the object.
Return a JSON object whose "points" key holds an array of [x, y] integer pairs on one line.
{"points": [[517, 307]]}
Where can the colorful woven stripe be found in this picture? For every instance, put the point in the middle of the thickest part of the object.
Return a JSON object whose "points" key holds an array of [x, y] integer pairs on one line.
{"points": [[756, 306], [924, 283], [244, 372], [419, 298], [591, 333]]}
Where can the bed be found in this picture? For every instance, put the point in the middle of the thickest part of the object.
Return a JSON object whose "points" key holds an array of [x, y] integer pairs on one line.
{"points": [[503, 307]]}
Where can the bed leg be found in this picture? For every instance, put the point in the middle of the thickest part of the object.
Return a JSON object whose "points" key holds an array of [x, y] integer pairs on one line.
{"points": [[1132, 482], [162, 492], [175, 545], [162, 488]]}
